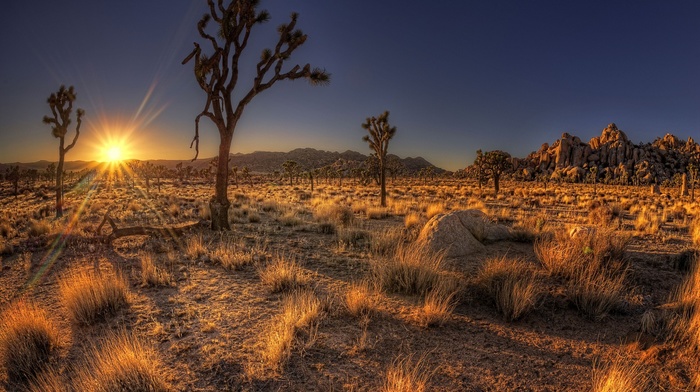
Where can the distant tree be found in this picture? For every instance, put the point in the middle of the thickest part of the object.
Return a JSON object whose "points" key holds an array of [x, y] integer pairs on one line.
{"points": [[290, 169], [13, 176], [179, 172], [380, 132], [594, 178], [245, 172], [480, 168], [61, 104], [495, 164], [50, 172], [394, 166], [234, 174], [159, 172], [217, 75]]}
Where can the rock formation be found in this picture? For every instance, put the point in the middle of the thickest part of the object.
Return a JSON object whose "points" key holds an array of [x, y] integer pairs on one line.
{"points": [[460, 233], [614, 156]]}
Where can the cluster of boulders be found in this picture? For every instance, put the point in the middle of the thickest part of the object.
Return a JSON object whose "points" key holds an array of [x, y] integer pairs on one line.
{"points": [[611, 157]]}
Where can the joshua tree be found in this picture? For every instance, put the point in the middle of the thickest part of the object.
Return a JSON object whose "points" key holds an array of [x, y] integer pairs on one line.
{"points": [[480, 168], [234, 174], [245, 172], [61, 104], [13, 176], [290, 169], [380, 132], [495, 163], [217, 75], [594, 178], [50, 172]]}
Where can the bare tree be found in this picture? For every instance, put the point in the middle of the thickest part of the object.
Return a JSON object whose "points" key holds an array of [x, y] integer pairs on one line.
{"points": [[217, 75], [380, 132], [61, 104]]}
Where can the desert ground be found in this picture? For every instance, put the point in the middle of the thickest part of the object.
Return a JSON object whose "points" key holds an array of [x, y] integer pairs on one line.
{"points": [[325, 290]]}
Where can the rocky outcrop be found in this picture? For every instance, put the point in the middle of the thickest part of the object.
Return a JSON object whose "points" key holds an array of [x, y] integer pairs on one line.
{"points": [[461, 233], [611, 156]]}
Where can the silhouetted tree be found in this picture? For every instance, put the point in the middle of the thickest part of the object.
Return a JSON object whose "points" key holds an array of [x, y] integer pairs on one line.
{"points": [[495, 163], [50, 172], [61, 104], [13, 176], [290, 169], [234, 174], [480, 168], [217, 75], [245, 172], [159, 171], [380, 132]]}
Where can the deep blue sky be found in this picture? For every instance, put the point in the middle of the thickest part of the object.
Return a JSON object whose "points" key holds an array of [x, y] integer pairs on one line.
{"points": [[456, 75]]}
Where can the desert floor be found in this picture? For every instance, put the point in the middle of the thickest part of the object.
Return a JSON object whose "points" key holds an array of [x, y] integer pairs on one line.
{"points": [[208, 310]]}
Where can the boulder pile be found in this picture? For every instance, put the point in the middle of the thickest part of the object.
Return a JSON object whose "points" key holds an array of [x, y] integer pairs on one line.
{"points": [[611, 157]]}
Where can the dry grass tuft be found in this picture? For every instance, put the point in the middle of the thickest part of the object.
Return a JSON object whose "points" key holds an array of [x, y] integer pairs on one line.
{"points": [[300, 311], [377, 213], [282, 274], [91, 296], [353, 238], [620, 375], [361, 299], [232, 255], [414, 269], [385, 242], [39, 227], [512, 286], [595, 292], [685, 321], [195, 247], [28, 341], [151, 274], [335, 213], [122, 363], [412, 221], [435, 209], [405, 375], [438, 306], [49, 380]]}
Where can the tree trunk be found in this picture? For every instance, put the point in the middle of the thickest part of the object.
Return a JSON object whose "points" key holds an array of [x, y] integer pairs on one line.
{"points": [[382, 179], [496, 187], [219, 204], [59, 180]]}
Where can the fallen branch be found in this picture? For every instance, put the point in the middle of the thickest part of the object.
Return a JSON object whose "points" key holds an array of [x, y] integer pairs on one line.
{"points": [[162, 231]]}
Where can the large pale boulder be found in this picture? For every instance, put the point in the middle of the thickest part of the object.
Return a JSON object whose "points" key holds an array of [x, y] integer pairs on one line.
{"points": [[461, 233]]}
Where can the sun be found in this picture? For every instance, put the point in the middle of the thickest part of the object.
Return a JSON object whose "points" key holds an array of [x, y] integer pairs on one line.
{"points": [[113, 153]]}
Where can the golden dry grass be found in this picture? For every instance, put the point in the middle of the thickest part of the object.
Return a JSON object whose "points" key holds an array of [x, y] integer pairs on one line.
{"points": [[595, 292], [300, 310], [151, 273], [438, 305], [90, 296], [28, 341], [620, 375], [122, 363], [511, 285], [232, 255], [361, 299], [282, 274], [413, 269], [195, 247], [407, 375]]}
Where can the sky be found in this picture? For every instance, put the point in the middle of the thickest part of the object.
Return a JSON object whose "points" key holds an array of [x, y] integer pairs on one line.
{"points": [[456, 76]]}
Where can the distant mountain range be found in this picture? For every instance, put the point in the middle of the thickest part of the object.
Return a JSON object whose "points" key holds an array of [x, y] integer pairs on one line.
{"points": [[257, 162]]}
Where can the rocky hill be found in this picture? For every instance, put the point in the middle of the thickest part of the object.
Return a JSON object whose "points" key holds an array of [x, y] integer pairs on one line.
{"points": [[261, 161], [612, 156]]}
